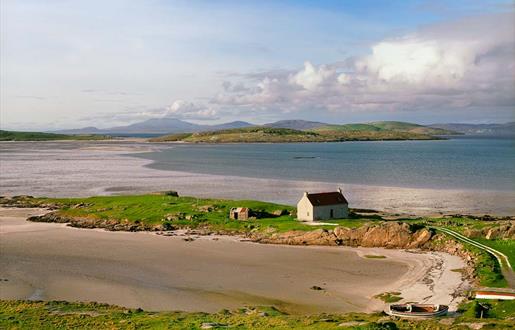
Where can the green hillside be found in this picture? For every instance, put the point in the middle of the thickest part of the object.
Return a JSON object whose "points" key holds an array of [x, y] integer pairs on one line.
{"points": [[384, 126], [38, 136], [245, 135], [347, 127], [410, 127]]}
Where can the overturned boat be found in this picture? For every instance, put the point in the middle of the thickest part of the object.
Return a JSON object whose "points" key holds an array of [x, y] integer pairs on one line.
{"points": [[419, 311]]}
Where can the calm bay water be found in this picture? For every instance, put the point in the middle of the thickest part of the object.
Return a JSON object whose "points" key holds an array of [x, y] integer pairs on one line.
{"points": [[458, 163]]}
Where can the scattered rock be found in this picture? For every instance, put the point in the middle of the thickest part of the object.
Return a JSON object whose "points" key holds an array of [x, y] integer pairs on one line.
{"points": [[317, 288], [206, 208], [278, 213]]}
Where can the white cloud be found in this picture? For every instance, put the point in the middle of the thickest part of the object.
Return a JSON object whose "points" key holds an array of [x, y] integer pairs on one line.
{"points": [[461, 64], [188, 110], [312, 77]]}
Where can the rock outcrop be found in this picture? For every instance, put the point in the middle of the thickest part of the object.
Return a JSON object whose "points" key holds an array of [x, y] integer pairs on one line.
{"points": [[25, 201], [89, 223], [499, 230], [384, 234]]}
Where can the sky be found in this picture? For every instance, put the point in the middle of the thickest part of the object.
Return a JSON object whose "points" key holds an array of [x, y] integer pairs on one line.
{"points": [[70, 64]]}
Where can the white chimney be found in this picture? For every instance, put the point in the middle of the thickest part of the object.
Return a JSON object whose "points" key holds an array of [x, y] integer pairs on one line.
{"points": [[305, 194], [340, 190]]}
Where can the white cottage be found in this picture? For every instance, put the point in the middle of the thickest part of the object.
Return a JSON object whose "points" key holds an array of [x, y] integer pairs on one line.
{"points": [[322, 206]]}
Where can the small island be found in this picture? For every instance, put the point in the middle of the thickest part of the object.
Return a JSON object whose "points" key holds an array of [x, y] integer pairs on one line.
{"points": [[375, 131]]}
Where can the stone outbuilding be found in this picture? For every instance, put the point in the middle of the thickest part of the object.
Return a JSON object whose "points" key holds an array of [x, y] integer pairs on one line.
{"points": [[322, 206], [239, 213]]}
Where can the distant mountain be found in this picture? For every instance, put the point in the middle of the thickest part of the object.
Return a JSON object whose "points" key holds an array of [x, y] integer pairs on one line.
{"points": [[301, 125], [480, 129], [157, 126], [232, 124]]}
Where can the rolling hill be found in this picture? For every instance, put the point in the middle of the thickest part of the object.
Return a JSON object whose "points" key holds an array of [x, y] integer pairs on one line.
{"points": [[385, 126], [296, 124]]}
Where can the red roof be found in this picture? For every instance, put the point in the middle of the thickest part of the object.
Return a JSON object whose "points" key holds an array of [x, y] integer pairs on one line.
{"points": [[327, 198]]}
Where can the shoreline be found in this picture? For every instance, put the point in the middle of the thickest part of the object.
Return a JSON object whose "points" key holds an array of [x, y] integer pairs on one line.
{"points": [[109, 169], [423, 275]]}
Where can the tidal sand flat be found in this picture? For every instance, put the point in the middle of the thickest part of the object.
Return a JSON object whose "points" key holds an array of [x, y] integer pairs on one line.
{"points": [[68, 169], [55, 262]]}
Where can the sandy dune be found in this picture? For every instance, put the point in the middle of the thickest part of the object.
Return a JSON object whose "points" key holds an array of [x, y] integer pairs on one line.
{"points": [[51, 261]]}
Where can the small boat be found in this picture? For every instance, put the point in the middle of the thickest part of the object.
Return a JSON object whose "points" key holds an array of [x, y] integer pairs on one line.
{"points": [[417, 310]]}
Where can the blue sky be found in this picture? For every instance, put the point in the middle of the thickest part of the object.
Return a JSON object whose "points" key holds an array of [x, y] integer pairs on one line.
{"points": [[103, 63]]}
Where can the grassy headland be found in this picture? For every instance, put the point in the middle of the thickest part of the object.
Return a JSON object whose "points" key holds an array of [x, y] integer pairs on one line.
{"points": [[63, 315], [39, 136], [183, 212], [331, 133]]}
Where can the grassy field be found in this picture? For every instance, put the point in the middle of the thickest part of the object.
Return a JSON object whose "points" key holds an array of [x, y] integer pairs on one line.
{"points": [[261, 134], [505, 246], [188, 212], [38, 136], [62, 315], [389, 297]]}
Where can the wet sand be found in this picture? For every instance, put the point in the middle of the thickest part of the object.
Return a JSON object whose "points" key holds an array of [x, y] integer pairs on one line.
{"points": [[55, 262], [61, 169]]}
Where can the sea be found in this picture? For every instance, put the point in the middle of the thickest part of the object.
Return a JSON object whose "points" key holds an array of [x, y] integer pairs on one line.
{"points": [[479, 163]]}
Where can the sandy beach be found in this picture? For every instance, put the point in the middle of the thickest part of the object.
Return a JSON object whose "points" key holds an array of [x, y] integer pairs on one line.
{"points": [[67, 169], [55, 262]]}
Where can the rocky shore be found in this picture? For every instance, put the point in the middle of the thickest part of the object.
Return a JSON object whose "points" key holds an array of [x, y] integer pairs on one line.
{"points": [[389, 234]]}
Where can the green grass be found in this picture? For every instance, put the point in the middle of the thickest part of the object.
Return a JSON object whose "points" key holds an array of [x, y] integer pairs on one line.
{"points": [[63, 315], [374, 256], [38, 136], [389, 297], [154, 209], [488, 269], [498, 309], [506, 246]]}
